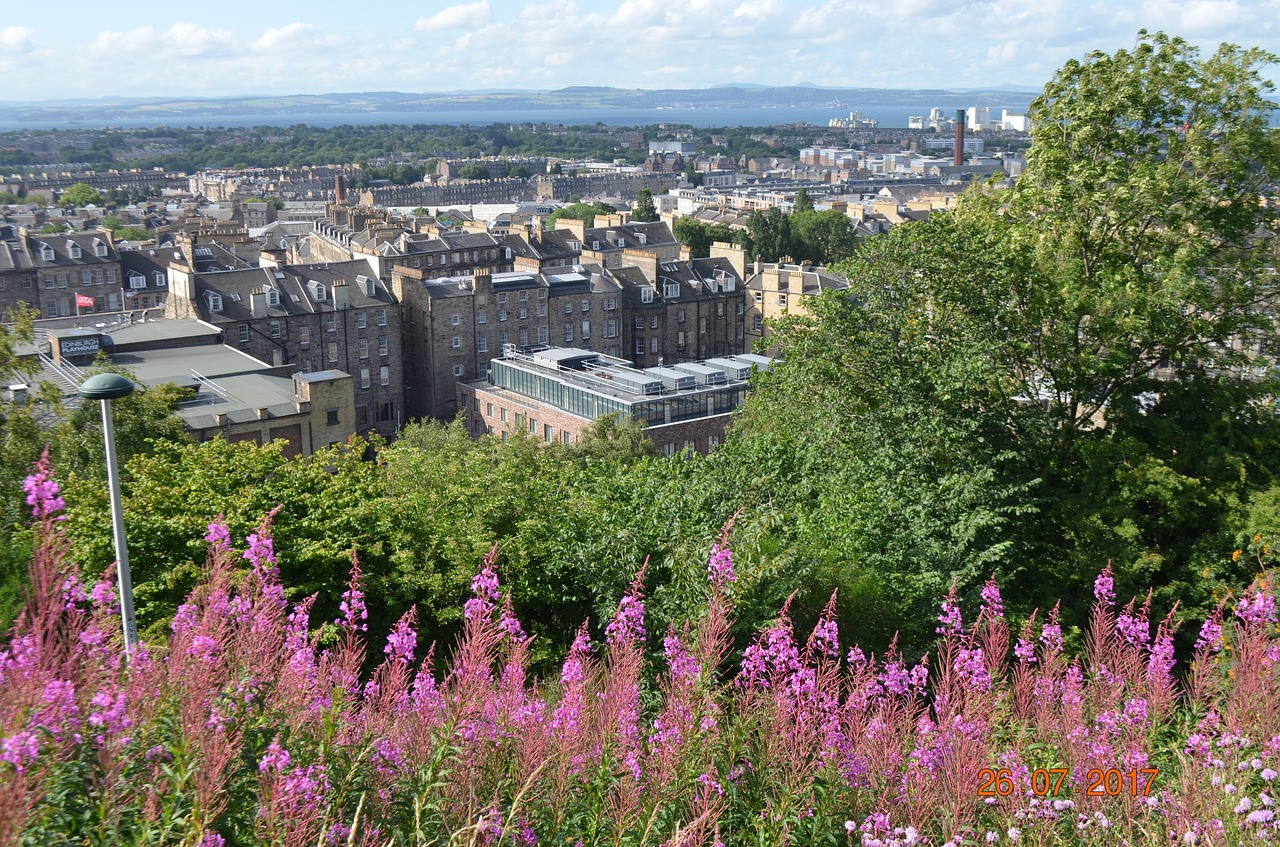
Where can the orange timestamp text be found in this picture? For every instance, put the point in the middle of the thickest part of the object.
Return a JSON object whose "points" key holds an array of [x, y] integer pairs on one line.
{"points": [[1050, 782]]}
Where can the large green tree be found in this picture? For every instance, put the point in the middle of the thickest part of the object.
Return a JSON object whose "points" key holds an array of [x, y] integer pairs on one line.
{"points": [[645, 211], [81, 194]]}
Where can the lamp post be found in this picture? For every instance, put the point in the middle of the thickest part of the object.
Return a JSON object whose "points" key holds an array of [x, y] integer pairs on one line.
{"points": [[107, 387]]}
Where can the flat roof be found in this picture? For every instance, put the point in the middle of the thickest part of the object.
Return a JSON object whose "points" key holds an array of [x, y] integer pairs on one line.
{"points": [[240, 397], [163, 329], [175, 364]]}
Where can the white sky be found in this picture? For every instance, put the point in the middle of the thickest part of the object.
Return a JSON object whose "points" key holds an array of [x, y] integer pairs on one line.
{"points": [[229, 47]]}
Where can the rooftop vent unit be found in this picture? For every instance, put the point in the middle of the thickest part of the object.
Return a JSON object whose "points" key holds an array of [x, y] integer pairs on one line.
{"points": [[637, 381], [704, 374]]}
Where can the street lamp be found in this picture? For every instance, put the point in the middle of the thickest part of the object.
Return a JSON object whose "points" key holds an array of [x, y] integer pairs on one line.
{"points": [[107, 387]]}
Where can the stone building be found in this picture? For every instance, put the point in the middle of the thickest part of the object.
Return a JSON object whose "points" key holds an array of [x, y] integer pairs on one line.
{"points": [[779, 289], [76, 272], [335, 317]]}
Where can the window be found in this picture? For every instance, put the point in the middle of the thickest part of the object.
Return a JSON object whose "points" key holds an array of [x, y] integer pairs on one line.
{"points": [[524, 296], [384, 345], [215, 302], [382, 317], [542, 294], [739, 334], [565, 437], [671, 290], [740, 307], [504, 414], [782, 300], [244, 333], [719, 308], [362, 345], [639, 346], [757, 324], [99, 249], [502, 339], [273, 296], [482, 343], [639, 321], [48, 281], [568, 331], [653, 344], [457, 370], [546, 433], [457, 342], [502, 315], [586, 306], [542, 310], [488, 410], [533, 426], [653, 322], [384, 375], [542, 335], [362, 320], [158, 277], [568, 307], [275, 328], [702, 326], [610, 303], [524, 313], [586, 330], [455, 320], [333, 352], [502, 299], [331, 417], [524, 338], [362, 416], [364, 377], [646, 294], [330, 322], [611, 328], [680, 340], [680, 316], [86, 277], [304, 335], [759, 298], [481, 317]]}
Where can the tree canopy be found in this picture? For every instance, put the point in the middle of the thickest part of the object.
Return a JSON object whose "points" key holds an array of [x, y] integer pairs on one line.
{"points": [[81, 194], [645, 211]]}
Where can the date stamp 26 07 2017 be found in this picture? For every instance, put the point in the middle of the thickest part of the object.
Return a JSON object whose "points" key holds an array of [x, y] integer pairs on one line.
{"points": [[1053, 782]]}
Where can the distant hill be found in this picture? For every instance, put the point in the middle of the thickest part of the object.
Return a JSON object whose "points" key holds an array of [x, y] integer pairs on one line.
{"points": [[108, 109]]}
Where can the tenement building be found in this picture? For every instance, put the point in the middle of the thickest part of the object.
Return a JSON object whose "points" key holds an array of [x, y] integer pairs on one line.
{"points": [[554, 394], [311, 318]]}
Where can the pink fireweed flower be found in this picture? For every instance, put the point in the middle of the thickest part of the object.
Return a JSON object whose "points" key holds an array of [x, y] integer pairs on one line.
{"points": [[950, 617], [1257, 606], [1025, 651], [355, 615], [684, 666], [991, 600], [1104, 587], [826, 638], [720, 567], [276, 759], [219, 536], [484, 585], [1133, 628], [1051, 632], [403, 641], [261, 550], [628, 624], [42, 490]]}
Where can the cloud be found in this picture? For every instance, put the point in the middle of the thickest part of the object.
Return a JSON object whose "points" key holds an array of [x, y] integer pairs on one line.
{"points": [[277, 37], [15, 39], [455, 17]]}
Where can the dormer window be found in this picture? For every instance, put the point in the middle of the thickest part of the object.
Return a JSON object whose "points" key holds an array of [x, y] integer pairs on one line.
{"points": [[137, 280], [727, 284], [317, 290], [671, 290], [99, 248], [273, 296], [642, 238], [215, 301], [73, 250], [646, 294], [46, 252], [160, 280], [595, 245]]}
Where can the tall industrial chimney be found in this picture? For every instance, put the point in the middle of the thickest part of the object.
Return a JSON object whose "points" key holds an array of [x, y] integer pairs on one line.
{"points": [[340, 190], [959, 160]]}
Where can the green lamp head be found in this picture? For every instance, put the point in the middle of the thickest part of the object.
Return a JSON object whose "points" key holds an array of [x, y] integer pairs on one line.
{"points": [[105, 387]]}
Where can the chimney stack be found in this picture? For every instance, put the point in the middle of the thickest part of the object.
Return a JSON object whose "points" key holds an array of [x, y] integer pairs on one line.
{"points": [[959, 160], [340, 190]]}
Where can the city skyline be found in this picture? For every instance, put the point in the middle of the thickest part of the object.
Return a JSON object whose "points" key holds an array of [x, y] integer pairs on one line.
{"points": [[238, 48]]}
